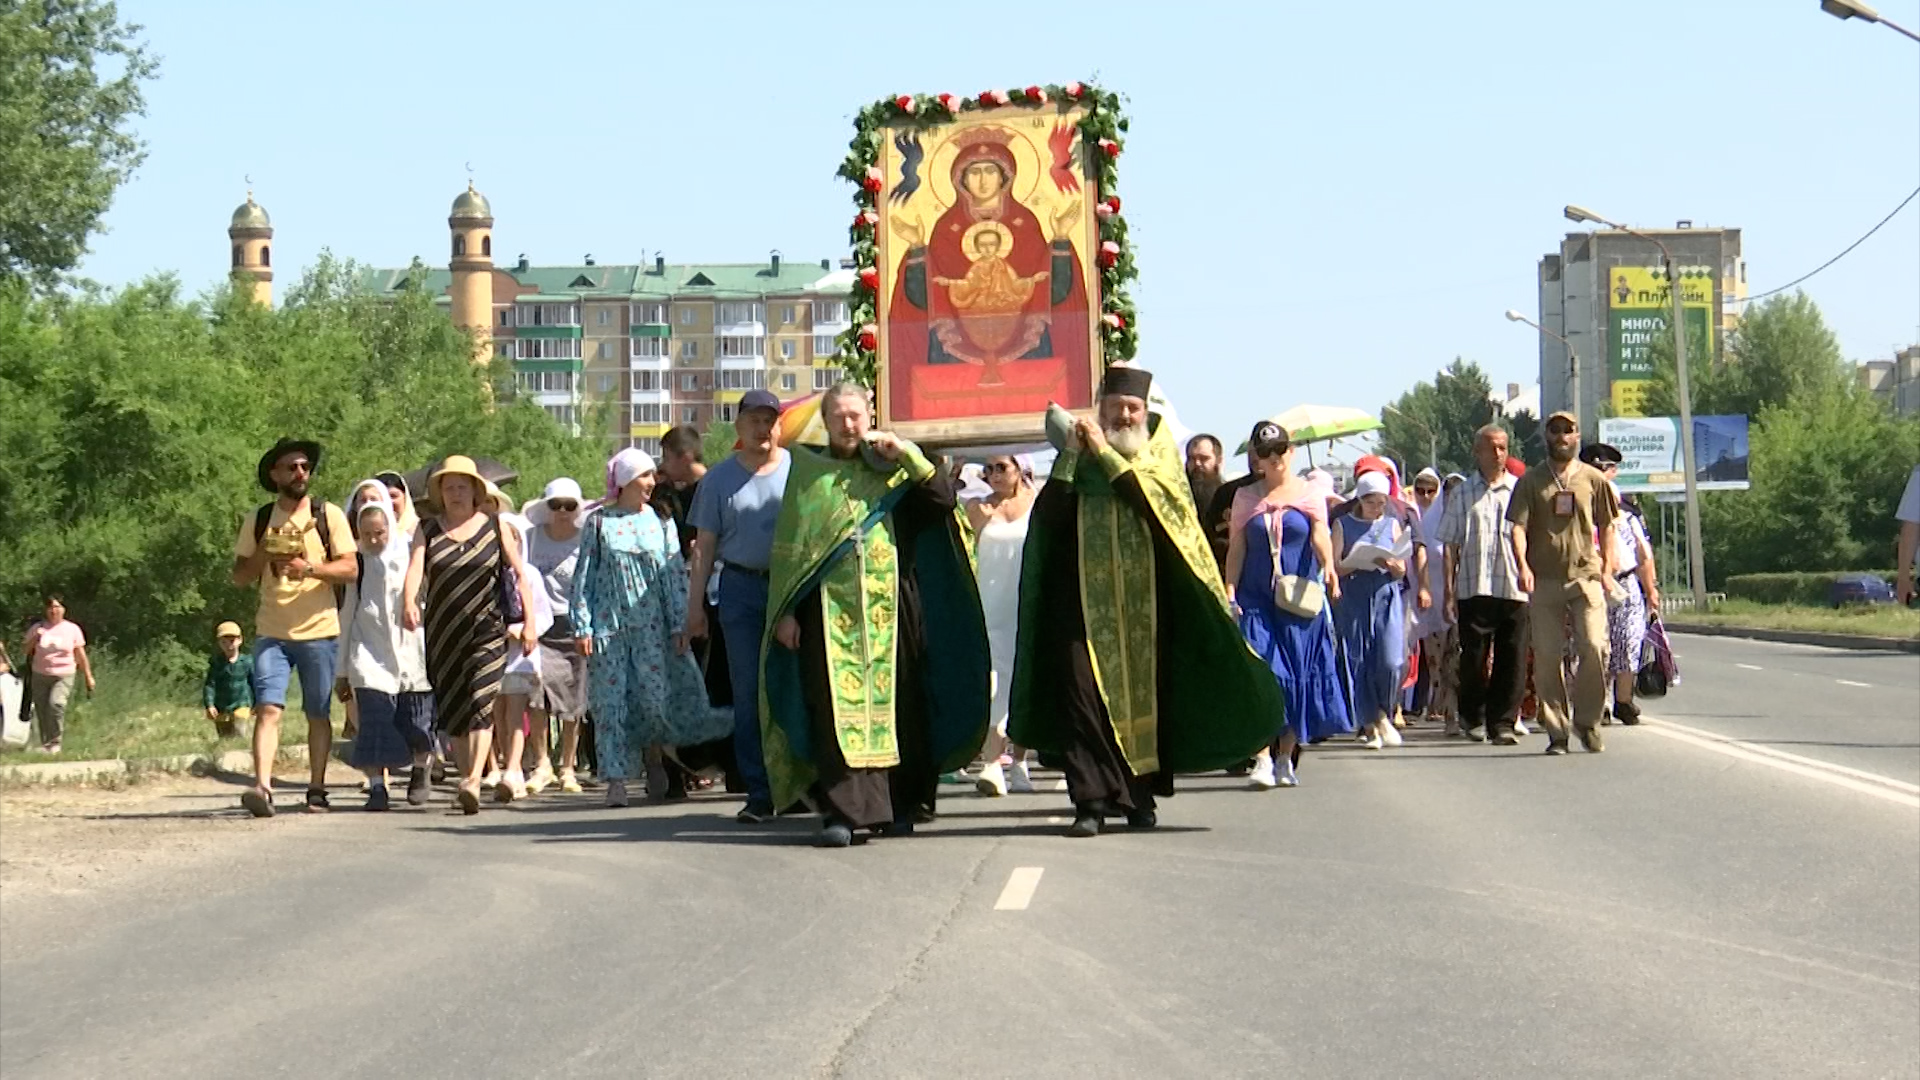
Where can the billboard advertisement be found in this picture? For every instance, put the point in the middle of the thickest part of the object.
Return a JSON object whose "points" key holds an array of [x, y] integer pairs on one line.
{"points": [[1639, 310], [1652, 462]]}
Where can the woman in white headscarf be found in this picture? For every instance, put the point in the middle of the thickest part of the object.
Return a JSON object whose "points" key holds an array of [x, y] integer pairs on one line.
{"points": [[381, 665], [629, 615], [553, 550], [511, 729], [1432, 627]]}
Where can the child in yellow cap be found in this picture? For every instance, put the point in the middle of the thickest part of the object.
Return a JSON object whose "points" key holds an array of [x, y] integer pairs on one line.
{"points": [[227, 692]]}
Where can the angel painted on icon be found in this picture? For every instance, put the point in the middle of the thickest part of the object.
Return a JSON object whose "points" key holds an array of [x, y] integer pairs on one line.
{"points": [[985, 260]]}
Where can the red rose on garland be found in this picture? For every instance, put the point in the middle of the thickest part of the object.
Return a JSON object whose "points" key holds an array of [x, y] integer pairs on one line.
{"points": [[1115, 320], [869, 337], [904, 103], [1109, 147], [1109, 253], [1036, 95], [870, 278], [950, 103], [1074, 90], [1107, 208]]}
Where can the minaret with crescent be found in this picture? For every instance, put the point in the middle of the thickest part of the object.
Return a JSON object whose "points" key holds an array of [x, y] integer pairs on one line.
{"points": [[251, 234], [472, 265]]}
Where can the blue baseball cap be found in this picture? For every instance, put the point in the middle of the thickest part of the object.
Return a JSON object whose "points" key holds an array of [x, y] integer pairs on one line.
{"points": [[759, 399]]}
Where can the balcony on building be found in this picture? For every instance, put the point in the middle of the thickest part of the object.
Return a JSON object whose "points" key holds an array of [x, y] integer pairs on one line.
{"points": [[543, 317], [740, 352], [649, 319], [740, 317], [829, 316]]}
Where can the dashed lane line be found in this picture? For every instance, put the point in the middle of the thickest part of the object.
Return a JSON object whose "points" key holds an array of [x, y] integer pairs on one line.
{"points": [[1019, 891]]}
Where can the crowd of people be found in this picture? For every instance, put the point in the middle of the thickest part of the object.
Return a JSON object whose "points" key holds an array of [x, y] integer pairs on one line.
{"points": [[835, 629]]}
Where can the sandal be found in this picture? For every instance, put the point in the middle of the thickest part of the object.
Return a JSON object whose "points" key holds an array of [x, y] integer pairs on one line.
{"points": [[468, 800]]}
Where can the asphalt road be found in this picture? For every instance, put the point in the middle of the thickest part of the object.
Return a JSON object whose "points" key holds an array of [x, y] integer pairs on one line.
{"points": [[1688, 904]]}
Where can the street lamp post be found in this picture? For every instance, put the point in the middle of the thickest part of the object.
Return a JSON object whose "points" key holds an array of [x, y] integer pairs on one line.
{"points": [[1573, 358], [1696, 558], [1853, 9], [1433, 444]]}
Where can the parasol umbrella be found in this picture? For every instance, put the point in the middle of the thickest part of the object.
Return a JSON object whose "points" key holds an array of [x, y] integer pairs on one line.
{"points": [[501, 474], [1322, 423]]}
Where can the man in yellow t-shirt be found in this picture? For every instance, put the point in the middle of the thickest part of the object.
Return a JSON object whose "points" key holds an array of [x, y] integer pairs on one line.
{"points": [[296, 560]]}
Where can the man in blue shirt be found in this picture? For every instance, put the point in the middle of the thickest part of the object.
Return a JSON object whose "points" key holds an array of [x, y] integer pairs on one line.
{"points": [[733, 516]]}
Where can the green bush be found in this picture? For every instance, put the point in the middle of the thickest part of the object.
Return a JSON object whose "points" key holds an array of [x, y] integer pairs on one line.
{"points": [[1795, 588]]}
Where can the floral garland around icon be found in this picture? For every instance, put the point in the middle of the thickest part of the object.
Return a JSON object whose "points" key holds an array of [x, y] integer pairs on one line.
{"points": [[1103, 128]]}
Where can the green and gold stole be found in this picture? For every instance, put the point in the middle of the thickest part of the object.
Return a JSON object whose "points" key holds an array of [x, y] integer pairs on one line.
{"points": [[834, 534], [1118, 595]]}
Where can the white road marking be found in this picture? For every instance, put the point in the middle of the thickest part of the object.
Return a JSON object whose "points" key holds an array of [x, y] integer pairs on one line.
{"points": [[1857, 780], [1059, 785], [1019, 890], [1750, 667], [1850, 682]]}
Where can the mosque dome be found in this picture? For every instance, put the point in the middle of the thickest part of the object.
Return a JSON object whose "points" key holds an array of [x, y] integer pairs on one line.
{"points": [[251, 215], [472, 204]]}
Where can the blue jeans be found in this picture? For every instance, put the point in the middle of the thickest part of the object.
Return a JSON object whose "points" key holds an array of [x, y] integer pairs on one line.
{"points": [[274, 662], [743, 620]]}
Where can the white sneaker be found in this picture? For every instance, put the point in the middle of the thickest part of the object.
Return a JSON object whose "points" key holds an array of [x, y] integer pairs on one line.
{"points": [[492, 779], [1390, 734], [1520, 728], [1019, 780], [992, 780], [1288, 778], [1373, 740], [1262, 775]]}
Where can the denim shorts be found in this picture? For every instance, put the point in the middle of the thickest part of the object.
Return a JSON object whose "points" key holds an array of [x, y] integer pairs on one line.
{"points": [[274, 662]]}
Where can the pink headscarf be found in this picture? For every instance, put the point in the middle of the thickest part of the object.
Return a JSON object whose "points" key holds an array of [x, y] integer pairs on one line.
{"points": [[1310, 499]]}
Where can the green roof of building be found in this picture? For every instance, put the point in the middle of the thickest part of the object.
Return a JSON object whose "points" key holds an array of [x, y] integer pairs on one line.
{"points": [[724, 281]]}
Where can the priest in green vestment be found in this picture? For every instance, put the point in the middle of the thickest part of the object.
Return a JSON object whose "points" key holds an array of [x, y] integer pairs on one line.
{"points": [[875, 675], [1129, 666]]}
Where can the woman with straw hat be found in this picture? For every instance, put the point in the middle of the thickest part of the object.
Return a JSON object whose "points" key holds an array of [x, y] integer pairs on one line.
{"points": [[458, 555]]}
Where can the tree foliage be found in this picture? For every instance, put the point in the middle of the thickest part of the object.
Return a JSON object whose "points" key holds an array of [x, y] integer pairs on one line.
{"points": [[131, 423], [1457, 403], [70, 75], [1827, 460]]}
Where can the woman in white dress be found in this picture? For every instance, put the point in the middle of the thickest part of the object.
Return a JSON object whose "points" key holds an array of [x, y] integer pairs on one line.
{"points": [[1000, 531]]}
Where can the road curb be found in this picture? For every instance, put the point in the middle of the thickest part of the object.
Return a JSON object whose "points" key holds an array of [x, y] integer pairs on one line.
{"points": [[239, 762], [1799, 637]]}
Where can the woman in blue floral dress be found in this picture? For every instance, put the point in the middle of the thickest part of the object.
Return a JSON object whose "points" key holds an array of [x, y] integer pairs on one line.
{"points": [[629, 612]]}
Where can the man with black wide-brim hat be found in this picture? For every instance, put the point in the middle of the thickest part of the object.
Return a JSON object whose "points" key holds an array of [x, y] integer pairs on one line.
{"points": [[296, 549]]}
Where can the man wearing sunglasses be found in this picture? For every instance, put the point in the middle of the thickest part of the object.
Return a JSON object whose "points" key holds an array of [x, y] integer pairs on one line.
{"points": [[1560, 510], [296, 549]]}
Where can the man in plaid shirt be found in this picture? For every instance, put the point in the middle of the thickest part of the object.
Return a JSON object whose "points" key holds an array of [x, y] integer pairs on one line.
{"points": [[1483, 593]]}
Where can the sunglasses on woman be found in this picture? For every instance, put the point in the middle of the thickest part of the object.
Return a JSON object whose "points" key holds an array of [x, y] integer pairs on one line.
{"points": [[563, 506]]}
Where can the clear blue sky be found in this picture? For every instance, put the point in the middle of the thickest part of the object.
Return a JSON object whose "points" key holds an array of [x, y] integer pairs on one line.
{"points": [[1327, 205]]}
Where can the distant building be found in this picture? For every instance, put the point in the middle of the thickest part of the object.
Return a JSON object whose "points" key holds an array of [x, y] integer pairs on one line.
{"points": [[662, 343], [1606, 293], [1895, 381], [1519, 399]]}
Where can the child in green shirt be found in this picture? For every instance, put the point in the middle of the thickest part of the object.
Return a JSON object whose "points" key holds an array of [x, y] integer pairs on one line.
{"points": [[227, 692]]}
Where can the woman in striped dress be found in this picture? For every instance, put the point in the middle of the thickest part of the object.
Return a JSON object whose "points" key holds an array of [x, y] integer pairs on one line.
{"points": [[458, 556]]}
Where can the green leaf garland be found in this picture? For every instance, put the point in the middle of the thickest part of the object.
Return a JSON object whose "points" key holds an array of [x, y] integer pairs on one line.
{"points": [[1103, 130]]}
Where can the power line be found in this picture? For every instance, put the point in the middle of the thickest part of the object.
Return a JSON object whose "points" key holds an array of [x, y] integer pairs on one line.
{"points": [[1890, 216]]}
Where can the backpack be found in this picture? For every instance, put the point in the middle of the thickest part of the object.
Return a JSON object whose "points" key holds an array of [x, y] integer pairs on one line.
{"points": [[318, 508]]}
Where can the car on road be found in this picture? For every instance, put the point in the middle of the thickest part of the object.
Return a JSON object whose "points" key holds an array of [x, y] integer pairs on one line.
{"points": [[1859, 589]]}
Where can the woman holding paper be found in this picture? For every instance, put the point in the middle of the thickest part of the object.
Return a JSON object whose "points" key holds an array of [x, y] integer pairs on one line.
{"points": [[1374, 547], [1279, 584]]}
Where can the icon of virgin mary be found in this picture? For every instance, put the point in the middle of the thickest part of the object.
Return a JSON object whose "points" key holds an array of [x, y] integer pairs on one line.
{"points": [[1035, 294]]}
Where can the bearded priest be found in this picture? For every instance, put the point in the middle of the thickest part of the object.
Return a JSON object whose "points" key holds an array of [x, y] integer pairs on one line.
{"points": [[875, 675], [1129, 667]]}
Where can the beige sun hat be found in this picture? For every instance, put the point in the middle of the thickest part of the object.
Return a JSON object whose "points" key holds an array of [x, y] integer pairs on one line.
{"points": [[457, 465]]}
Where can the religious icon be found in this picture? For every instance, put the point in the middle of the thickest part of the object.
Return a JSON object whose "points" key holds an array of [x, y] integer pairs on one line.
{"points": [[988, 292]]}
